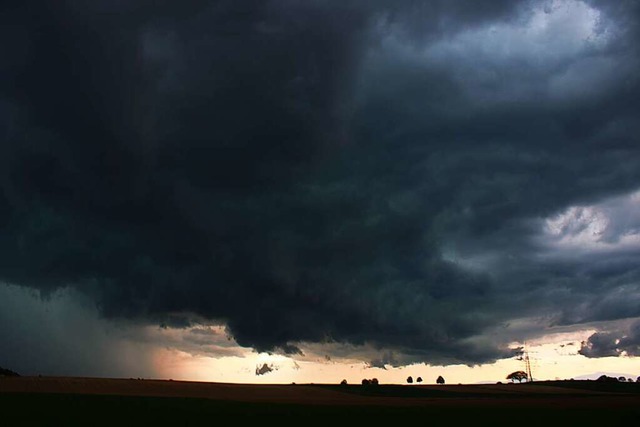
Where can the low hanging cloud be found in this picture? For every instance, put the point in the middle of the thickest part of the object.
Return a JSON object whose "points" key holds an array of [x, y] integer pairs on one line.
{"points": [[613, 343], [265, 369], [359, 173]]}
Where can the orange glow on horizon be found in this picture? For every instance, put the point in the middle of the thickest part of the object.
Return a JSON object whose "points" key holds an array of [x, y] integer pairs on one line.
{"points": [[554, 357]]}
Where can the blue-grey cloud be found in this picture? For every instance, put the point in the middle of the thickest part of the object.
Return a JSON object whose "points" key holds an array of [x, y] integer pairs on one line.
{"points": [[613, 343]]}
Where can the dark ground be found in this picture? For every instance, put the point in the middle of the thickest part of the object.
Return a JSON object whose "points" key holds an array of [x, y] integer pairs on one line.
{"points": [[583, 403]]}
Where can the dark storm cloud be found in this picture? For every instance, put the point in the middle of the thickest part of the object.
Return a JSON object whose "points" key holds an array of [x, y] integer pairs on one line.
{"points": [[312, 171], [264, 369], [613, 343], [386, 358]]}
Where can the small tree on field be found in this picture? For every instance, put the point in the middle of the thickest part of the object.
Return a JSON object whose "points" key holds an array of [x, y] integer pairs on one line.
{"points": [[440, 380], [419, 379], [410, 379], [343, 382], [517, 375]]}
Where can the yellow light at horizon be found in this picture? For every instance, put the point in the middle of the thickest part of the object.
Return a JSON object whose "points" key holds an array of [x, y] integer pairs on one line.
{"points": [[553, 357]]}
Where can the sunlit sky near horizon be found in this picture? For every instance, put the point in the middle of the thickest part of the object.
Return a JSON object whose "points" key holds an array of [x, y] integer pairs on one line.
{"points": [[325, 189]]}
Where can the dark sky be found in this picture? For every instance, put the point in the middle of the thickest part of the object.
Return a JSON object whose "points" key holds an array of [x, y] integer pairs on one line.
{"points": [[436, 178]]}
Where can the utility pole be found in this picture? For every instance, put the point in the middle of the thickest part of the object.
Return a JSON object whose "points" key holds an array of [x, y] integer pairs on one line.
{"points": [[527, 363]]}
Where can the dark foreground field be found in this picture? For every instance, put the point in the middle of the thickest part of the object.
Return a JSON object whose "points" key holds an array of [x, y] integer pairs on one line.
{"points": [[117, 402]]}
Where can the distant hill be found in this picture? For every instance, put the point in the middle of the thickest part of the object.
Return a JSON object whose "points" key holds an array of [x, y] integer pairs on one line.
{"points": [[8, 373], [596, 375]]}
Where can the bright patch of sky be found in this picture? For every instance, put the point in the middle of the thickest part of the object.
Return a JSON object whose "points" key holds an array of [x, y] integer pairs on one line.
{"points": [[608, 226], [556, 51], [553, 356], [549, 33]]}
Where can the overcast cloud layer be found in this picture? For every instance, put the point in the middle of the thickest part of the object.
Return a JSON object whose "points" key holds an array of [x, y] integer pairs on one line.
{"points": [[415, 176]]}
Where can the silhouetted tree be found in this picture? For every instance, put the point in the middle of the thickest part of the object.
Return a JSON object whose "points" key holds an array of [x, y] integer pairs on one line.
{"points": [[419, 379], [517, 375], [440, 380], [365, 381], [410, 379], [373, 381], [622, 379], [343, 382], [605, 378], [638, 380]]}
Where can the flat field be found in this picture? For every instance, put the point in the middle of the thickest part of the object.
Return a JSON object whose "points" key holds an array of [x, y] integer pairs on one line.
{"points": [[115, 402]]}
